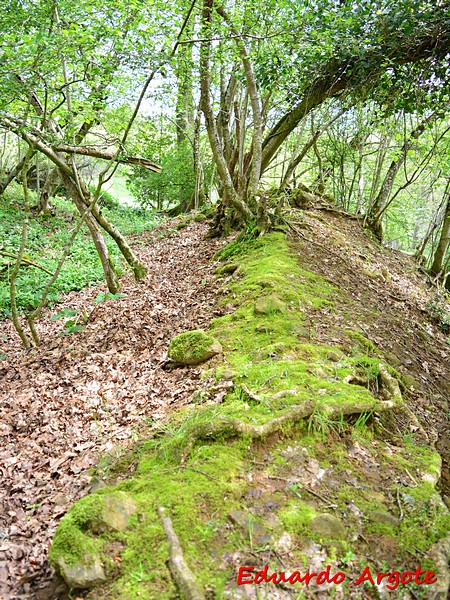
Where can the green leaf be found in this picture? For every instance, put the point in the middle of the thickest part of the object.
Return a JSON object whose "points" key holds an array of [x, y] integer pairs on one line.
{"points": [[66, 312]]}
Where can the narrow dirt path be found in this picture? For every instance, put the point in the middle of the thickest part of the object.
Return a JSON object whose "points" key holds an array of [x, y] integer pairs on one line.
{"points": [[77, 398]]}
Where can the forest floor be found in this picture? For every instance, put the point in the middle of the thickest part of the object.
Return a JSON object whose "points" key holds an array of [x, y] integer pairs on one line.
{"points": [[79, 397], [84, 398]]}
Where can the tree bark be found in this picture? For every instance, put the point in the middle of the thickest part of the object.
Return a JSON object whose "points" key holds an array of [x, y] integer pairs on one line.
{"points": [[112, 280], [434, 45], [444, 242], [214, 139], [376, 209]]}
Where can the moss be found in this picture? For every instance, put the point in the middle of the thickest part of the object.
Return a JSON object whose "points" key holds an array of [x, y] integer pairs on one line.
{"points": [[266, 354], [184, 223], [362, 341], [192, 347], [70, 541], [297, 517]]}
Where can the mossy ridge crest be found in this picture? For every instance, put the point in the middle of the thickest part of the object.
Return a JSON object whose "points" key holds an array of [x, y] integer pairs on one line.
{"points": [[267, 354]]}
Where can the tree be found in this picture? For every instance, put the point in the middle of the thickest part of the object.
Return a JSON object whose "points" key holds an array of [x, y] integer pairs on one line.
{"points": [[359, 51]]}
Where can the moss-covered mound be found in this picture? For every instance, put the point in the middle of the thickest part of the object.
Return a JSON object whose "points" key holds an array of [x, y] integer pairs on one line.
{"points": [[193, 347], [290, 469]]}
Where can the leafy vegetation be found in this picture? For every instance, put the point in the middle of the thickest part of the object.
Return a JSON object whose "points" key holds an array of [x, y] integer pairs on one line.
{"points": [[47, 238]]}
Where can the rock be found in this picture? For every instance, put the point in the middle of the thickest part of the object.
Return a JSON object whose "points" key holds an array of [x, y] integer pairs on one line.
{"points": [[227, 269], [60, 500], [439, 554], [284, 544], [318, 372], [385, 518], [84, 574], [257, 533], [300, 331], [328, 526], [263, 283], [227, 375], [263, 329], [115, 514], [335, 356], [269, 304], [193, 347]]}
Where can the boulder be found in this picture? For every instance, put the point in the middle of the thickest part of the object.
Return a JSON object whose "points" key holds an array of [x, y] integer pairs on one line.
{"points": [[115, 514], [258, 534], [86, 573], [269, 304], [328, 526], [385, 518], [193, 347]]}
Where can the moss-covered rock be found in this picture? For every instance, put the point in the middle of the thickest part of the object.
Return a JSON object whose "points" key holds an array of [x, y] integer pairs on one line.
{"points": [[193, 347], [84, 574], [77, 546], [269, 304], [328, 526]]}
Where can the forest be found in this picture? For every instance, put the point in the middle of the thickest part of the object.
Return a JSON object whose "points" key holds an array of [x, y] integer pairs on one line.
{"points": [[224, 299]]}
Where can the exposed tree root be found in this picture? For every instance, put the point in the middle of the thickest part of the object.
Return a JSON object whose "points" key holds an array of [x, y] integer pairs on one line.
{"points": [[229, 427], [389, 385], [187, 585]]}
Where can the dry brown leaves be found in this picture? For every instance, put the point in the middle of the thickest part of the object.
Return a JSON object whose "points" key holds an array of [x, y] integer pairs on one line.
{"points": [[75, 398]]}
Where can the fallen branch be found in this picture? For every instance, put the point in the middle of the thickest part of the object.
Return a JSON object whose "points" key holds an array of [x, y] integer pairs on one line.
{"points": [[229, 427], [25, 261], [187, 585]]}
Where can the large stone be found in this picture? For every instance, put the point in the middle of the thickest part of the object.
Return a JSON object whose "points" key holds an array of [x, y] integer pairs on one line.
{"points": [[193, 347], [385, 518], [115, 515], [257, 533], [84, 574], [269, 304], [328, 526]]}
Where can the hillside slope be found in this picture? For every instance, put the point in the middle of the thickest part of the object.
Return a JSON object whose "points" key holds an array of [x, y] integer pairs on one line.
{"points": [[261, 467]]}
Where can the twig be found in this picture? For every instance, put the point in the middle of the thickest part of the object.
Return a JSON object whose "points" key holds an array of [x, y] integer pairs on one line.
{"points": [[266, 381], [25, 261], [399, 505], [184, 578], [310, 491], [251, 394], [411, 477], [202, 473]]}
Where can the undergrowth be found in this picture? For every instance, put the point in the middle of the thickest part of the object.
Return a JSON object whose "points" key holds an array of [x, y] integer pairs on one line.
{"points": [[47, 237]]}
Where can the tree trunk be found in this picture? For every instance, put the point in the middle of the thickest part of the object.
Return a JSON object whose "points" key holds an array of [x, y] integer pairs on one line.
{"points": [[12, 174], [184, 109], [138, 268], [230, 195], [444, 242], [112, 280], [375, 212], [48, 191]]}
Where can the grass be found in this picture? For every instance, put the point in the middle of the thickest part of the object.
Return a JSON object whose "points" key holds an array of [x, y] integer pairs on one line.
{"points": [[47, 236]]}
